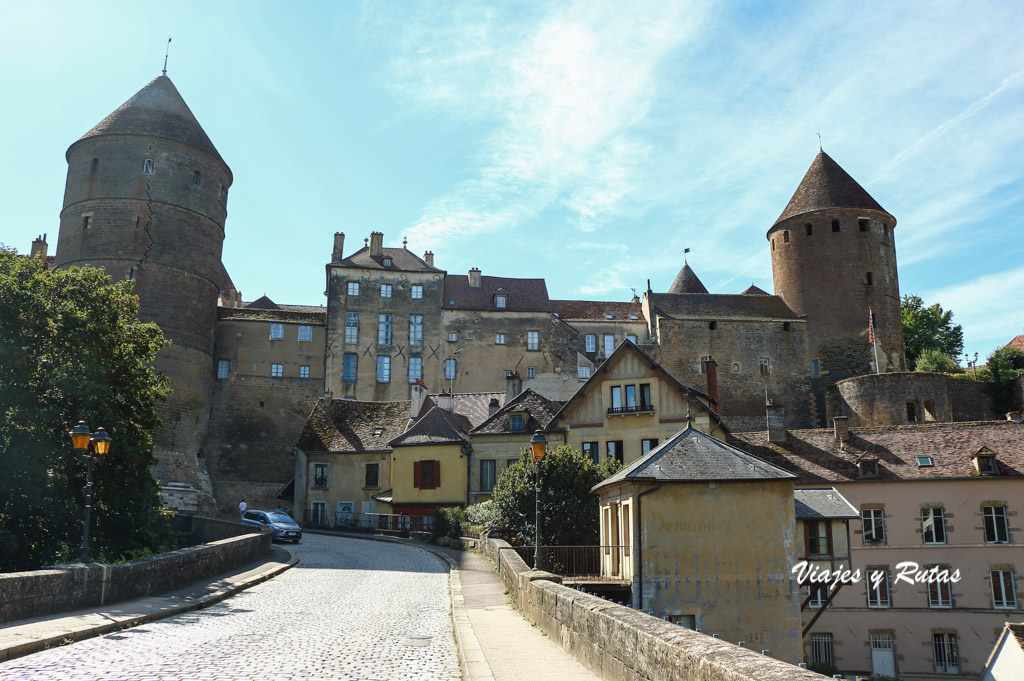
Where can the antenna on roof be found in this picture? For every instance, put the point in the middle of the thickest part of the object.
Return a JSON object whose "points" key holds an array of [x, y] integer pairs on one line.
{"points": [[685, 251], [167, 51], [819, 141]]}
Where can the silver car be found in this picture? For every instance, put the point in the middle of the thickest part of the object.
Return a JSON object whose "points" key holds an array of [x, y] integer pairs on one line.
{"points": [[281, 524]]}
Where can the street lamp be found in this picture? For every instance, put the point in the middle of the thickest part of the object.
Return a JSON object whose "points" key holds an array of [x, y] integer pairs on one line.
{"points": [[539, 447], [81, 438]]}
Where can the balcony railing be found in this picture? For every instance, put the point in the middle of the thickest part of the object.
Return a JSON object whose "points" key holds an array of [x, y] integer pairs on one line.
{"points": [[635, 409], [579, 562]]}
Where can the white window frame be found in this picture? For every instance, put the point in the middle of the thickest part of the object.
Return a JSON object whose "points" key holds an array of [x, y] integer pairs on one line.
{"points": [[416, 329], [531, 372], [385, 290], [947, 654], [940, 595], [1004, 589], [383, 369], [277, 370], [305, 333], [453, 337], [416, 292], [933, 518], [450, 369], [876, 516], [488, 474], [223, 368], [353, 288], [817, 593], [501, 301], [276, 331], [499, 339], [609, 345], [148, 166], [533, 340], [590, 343], [384, 328], [351, 328], [415, 368], [822, 649], [303, 371], [878, 596], [998, 520]]}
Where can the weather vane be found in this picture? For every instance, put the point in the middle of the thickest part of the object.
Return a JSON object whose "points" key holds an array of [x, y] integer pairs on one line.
{"points": [[819, 141], [167, 51], [685, 251]]}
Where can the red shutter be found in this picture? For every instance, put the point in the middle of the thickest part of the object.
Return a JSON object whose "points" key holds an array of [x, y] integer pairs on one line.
{"points": [[437, 474], [417, 475]]}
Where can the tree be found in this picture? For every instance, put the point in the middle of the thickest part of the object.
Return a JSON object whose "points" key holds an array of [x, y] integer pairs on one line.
{"points": [[928, 327], [932, 359], [72, 348], [569, 510]]}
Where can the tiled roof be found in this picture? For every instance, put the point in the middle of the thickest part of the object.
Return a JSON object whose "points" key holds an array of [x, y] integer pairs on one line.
{"points": [[822, 503], [597, 311], [352, 426], [402, 260], [437, 427], [539, 411], [156, 110], [476, 407], [691, 455], [687, 282], [814, 455], [754, 291], [1018, 632], [826, 185], [523, 295], [719, 306], [1017, 342], [262, 303]]}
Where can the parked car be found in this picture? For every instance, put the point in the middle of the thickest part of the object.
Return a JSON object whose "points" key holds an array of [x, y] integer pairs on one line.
{"points": [[281, 524]]}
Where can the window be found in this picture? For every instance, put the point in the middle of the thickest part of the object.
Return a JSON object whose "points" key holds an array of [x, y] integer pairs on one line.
{"points": [[873, 524], [453, 337], [911, 411], [533, 340], [276, 370], [415, 368], [786, 326], [868, 468], [499, 339], [815, 368], [821, 646], [222, 195], [348, 374], [487, 470], [810, 229], [147, 166], [590, 449], [615, 450], [385, 290], [785, 236], [766, 366], [95, 165], [386, 262], [609, 345], [645, 397], [318, 513], [371, 478], [276, 331], [426, 474], [591, 342], [648, 444], [609, 315], [631, 338], [947, 657], [353, 288], [996, 530], [925, 462], [863, 225], [197, 178], [583, 372], [617, 397], [415, 329], [1004, 594], [817, 594], [416, 292], [320, 476], [870, 281], [305, 333], [223, 366], [508, 372], [383, 369], [384, 329], [531, 372], [303, 371], [933, 525], [500, 302], [818, 537], [352, 328], [469, 336], [835, 225], [712, 326], [516, 422], [986, 465], [449, 368], [878, 588], [631, 397], [940, 594], [378, 431]]}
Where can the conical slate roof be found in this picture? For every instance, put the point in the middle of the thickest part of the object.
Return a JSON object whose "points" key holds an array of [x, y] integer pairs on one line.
{"points": [[687, 282], [156, 110], [826, 185]]}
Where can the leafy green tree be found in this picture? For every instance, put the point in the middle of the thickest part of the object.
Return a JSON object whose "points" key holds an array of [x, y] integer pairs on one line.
{"points": [[72, 348], [928, 327], [569, 510], [1005, 364], [932, 359]]}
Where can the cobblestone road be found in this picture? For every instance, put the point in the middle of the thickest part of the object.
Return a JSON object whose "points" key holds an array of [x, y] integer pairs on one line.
{"points": [[350, 610]]}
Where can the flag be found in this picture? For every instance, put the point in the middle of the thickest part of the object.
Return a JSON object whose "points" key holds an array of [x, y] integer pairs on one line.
{"points": [[871, 327]]}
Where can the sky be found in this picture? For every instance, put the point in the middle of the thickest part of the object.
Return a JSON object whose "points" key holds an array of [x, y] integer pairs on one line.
{"points": [[587, 143]]}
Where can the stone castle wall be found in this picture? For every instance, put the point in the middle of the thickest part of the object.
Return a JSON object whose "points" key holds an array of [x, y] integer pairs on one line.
{"points": [[882, 399]]}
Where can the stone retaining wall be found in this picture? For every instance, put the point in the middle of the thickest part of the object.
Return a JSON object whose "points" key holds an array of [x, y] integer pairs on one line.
{"points": [[70, 587], [622, 644]]}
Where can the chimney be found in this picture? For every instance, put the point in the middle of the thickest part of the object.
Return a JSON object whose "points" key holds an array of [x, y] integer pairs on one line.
{"points": [[445, 401], [339, 247], [328, 395], [711, 368], [474, 278], [428, 258], [492, 406], [417, 397], [513, 386], [842, 426], [376, 243], [39, 247], [776, 422]]}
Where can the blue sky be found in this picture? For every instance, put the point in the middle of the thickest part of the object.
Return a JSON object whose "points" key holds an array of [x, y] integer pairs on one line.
{"points": [[584, 142]]}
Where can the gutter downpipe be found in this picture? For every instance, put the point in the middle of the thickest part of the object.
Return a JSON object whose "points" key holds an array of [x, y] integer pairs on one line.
{"points": [[638, 582]]}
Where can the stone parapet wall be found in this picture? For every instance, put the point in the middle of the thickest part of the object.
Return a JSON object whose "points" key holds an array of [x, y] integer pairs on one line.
{"points": [[70, 587], [619, 643]]}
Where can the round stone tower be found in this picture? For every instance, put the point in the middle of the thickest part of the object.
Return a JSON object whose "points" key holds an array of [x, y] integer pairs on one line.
{"points": [[834, 260], [145, 199]]}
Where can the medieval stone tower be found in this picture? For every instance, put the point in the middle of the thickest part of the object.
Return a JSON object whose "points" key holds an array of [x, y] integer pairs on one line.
{"points": [[146, 199], [834, 259]]}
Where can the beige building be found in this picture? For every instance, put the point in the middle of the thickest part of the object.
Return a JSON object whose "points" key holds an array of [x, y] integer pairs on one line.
{"points": [[943, 499], [1006, 663], [705, 534]]}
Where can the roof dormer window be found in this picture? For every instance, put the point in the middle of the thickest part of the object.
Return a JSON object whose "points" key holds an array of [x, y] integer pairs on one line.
{"points": [[386, 262], [517, 423], [867, 468], [501, 301], [609, 315], [986, 464]]}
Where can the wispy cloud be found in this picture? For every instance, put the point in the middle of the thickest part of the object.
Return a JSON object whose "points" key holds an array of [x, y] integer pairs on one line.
{"points": [[986, 307]]}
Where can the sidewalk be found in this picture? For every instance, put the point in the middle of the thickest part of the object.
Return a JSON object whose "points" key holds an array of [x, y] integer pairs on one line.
{"points": [[23, 637]]}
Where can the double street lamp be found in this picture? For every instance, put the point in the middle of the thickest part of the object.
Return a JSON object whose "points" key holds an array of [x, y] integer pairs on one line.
{"points": [[538, 446], [81, 438]]}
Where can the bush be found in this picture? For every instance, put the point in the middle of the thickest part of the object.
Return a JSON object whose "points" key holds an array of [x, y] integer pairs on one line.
{"points": [[826, 668], [933, 359], [485, 514], [450, 522]]}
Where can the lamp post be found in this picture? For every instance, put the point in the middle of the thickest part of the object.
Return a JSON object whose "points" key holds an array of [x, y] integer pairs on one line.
{"points": [[539, 447], [81, 438]]}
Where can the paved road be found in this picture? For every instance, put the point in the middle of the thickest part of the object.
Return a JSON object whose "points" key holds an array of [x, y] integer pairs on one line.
{"points": [[351, 610]]}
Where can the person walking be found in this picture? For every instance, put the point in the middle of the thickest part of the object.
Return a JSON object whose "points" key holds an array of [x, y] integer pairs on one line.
{"points": [[241, 508]]}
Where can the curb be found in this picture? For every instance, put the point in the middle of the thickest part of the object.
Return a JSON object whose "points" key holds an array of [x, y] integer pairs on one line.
{"points": [[37, 644]]}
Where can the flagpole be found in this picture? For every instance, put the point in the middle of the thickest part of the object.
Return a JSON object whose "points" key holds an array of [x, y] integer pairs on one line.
{"points": [[874, 344]]}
